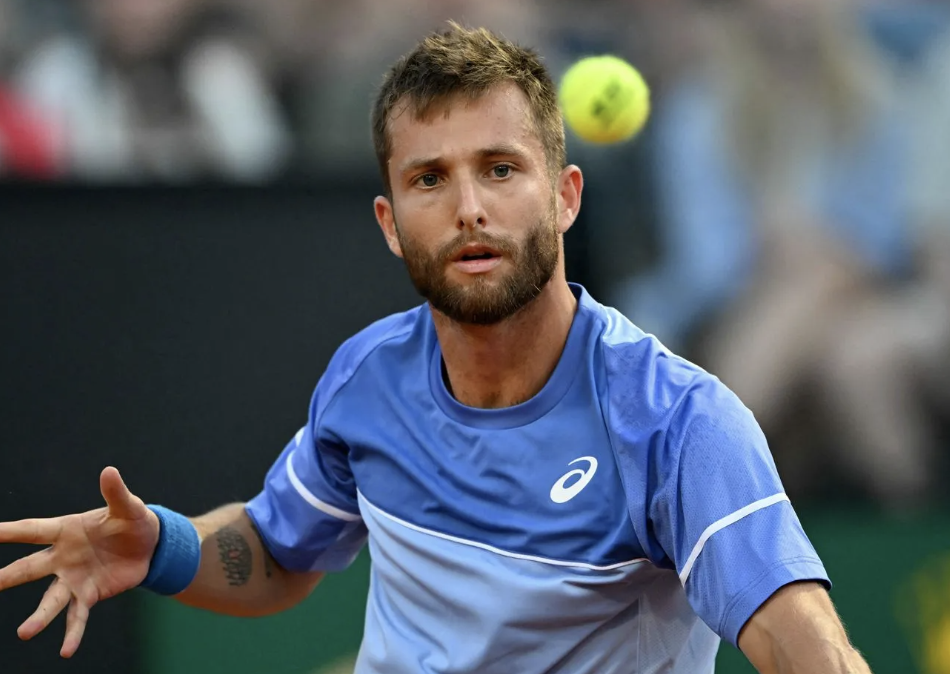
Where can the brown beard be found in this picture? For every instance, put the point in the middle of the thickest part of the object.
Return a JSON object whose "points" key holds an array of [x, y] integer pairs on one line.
{"points": [[483, 301]]}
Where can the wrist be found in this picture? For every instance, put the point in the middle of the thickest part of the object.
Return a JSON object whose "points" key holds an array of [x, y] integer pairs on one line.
{"points": [[177, 555]]}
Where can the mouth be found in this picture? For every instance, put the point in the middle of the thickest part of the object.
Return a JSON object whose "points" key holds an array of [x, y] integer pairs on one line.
{"points": [[476, 259], [475, 252]]}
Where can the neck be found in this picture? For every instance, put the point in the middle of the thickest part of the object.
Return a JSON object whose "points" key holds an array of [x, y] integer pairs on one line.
{"points": [[493, 366]]}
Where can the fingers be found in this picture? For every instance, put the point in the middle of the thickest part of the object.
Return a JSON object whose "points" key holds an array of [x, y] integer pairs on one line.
{"points": [[26, 570], [122, 503], [54, 601], [35, 531], [76, 619], [52, 604]]}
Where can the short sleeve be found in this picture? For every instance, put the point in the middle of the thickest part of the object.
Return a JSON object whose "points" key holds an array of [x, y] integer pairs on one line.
{"points": [[720, 513], [307, 513], [704, 496]]}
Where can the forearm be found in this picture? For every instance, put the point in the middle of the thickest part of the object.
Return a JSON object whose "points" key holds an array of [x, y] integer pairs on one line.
{"points": [[827, 658], [237, 576], [798, 632]]}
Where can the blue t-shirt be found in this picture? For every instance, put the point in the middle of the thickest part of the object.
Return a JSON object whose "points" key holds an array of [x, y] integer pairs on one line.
{"points": [[622, 520]]}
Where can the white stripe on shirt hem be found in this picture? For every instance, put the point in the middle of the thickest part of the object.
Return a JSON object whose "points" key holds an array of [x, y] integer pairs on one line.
{"points": [[497, 551], [722, 524], [313, 500]]}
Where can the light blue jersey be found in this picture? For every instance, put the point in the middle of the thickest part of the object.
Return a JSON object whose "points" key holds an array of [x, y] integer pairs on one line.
{"points": [[621, 521]]}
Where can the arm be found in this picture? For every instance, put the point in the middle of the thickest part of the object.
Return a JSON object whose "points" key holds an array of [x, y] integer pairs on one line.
{"points": [[308, 514], [798, 632], [98, 554], [717, 512], [237, 575]]}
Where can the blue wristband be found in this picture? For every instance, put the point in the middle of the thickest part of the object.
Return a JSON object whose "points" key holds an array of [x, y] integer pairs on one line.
{"points": [[177, 555]]}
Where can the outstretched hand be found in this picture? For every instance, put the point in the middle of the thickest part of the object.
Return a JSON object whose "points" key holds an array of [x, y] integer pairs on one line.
{"points": [[93, 555]]}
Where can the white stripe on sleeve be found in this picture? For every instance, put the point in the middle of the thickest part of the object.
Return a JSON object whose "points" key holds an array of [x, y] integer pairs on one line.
{"points": [[722, 524], [313, 500]]}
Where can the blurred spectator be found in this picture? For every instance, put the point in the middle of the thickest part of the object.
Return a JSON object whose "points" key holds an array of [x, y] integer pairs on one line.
{"points": [[783, 172], [928, 93], [893, 358], [157, 89], [905, 28], [620, 214], [27, 148], [333, 56], [764, 208]]}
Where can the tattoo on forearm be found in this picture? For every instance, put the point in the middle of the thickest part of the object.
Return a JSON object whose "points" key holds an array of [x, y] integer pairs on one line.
{"points": [[235, 555]]}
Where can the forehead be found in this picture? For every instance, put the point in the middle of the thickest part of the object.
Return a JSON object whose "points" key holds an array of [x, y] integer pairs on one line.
{"points": [[462, 126]]}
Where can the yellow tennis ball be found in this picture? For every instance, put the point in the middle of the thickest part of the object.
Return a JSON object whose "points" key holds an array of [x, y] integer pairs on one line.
{"points": [[604, 99]]}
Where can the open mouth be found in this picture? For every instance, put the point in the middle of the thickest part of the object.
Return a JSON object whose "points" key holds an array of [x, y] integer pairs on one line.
{"points": [[476, 259], [474, 252]]}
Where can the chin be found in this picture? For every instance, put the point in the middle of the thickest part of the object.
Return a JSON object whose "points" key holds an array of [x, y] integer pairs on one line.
{"points": [[487, 283]]}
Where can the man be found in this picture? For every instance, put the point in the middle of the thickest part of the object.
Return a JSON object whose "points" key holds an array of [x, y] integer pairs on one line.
{"points": [[544, 488]]}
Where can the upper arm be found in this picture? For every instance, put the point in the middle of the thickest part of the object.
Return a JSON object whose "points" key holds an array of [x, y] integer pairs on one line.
{"points": [[795, 624], [302, 583], [723, 515], [715, 509], [307, 514]]}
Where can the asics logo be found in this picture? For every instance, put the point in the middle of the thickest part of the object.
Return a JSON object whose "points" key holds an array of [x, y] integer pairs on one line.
{"points": [[561, 493]]}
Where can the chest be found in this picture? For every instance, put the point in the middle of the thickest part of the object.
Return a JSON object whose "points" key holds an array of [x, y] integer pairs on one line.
{"points": [[550, 488]]}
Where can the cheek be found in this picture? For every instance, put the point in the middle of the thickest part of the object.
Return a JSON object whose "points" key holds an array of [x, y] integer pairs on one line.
{"points": [[421, 216], [539, 206], [415, 242], [428, 220]]}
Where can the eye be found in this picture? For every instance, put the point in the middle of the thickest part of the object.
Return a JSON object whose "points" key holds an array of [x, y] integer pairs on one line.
{"points": [[502, 171], [428, 180]]}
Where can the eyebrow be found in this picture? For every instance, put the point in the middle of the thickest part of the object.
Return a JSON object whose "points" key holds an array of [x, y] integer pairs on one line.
{"points": [[501, 150], [498, 150]]}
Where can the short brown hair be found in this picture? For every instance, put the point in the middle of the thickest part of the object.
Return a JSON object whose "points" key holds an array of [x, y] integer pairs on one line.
{"points": [[467, 62]]}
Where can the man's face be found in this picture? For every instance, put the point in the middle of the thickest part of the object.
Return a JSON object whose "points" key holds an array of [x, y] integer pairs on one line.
{"points": [[474, 212]]}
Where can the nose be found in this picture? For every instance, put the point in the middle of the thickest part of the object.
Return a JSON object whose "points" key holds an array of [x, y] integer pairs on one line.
{"points": [[471, 209]]}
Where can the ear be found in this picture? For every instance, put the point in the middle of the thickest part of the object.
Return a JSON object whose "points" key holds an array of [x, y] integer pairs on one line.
{"points": [[387, 223], [570, 184]]}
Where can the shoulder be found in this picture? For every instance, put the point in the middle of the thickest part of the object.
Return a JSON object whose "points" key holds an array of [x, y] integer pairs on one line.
{"points": [[640, 371], [399, 330], [653, 393], [355, 351]]}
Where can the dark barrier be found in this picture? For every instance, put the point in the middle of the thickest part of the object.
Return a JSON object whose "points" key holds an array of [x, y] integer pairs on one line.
{"points": [[174, 333]]}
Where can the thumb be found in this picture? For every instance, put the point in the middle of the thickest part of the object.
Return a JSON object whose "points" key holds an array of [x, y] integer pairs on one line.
{"points": [[122, 503]]}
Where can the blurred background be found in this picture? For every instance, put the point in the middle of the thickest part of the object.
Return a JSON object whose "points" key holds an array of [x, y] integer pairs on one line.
{"points": [[186, 235]]}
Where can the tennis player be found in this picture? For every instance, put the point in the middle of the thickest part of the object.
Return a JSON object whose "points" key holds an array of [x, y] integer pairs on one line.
{"points": [[543, 486]]}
